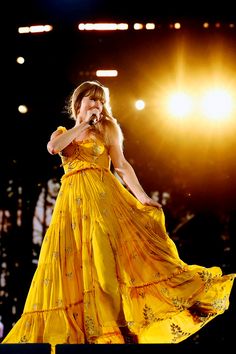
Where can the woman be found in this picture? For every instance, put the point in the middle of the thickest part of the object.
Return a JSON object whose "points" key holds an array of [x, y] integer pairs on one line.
{"points": [[106, 262]]}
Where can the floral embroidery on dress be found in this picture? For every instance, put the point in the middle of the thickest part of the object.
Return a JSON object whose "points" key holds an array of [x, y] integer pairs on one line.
{"points": [[177, 332], [134, 255], [102, 195], [47, 281], [28, 324], [132, 281], [207, 278], [24, 339], [78, 200], [149, 316], [180, 303], [68, 250], [142, 294], [220, 304], [89, 326], [157, 275], [55, 254], [36, 306], [59, 302], [69, 275]]}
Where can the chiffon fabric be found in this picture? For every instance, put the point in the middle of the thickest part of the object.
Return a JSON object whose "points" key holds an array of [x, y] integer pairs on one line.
{"points": [[107, 262]]}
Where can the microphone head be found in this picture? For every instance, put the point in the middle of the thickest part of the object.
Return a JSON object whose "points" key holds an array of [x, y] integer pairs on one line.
{"points": [[92, 120]]}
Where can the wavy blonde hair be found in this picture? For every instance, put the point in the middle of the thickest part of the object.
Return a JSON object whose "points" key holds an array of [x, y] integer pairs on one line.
{"points": [[108, 127]]}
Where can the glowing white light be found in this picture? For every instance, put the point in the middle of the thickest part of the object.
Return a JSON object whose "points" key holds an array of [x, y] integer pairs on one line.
{"points": [[139, 105], [23, 29], [106, 73], [48, 28], [205, 25], [22, 109], [138, 26], [180, 104], [35, 29], [177, 25], [150, 26], [20, 60], [217, 104], [102, 26]]}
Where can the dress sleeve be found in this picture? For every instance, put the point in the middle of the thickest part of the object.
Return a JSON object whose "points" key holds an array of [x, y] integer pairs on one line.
{"points": [[61, 128]]}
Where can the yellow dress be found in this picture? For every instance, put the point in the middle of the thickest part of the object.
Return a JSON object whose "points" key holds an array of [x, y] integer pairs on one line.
{"points": [[106, 261]]}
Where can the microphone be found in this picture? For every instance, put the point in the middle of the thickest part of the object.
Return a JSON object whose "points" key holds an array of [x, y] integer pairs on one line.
{"points": [[92, 119]]}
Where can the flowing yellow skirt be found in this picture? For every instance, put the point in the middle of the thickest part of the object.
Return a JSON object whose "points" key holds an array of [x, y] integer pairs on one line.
{"points": [[107, 262]]}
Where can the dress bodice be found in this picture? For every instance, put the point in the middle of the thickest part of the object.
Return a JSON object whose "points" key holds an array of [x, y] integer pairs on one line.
{"points": [[89, 153]]}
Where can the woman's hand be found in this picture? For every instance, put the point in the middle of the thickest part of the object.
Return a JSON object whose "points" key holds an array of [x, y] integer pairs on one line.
{"points": [[146, 200]]}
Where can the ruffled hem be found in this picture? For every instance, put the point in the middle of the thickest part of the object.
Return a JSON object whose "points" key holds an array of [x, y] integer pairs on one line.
{"points": [[181, 316], [165, 312]]}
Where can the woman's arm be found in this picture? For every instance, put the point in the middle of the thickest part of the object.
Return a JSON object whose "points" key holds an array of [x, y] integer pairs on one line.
{"points": [[60, 140], [126, 172]]}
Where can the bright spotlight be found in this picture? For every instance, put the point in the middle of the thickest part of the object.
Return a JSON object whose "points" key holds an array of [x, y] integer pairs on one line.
{"points": [[179, 104], [23, 109], [138, 26], [177, 25], [20, 60], [102, 26], [217, 104], [139, 105], [106, 73]]}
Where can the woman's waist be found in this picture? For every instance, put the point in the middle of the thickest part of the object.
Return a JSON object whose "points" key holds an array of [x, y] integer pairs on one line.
{"points": [[81, 166]]}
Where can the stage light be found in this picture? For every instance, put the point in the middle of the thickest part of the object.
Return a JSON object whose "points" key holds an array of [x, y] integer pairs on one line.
{"points": [[177, 25], [217, 104], [139, 105], [106, 73], [20, 60], [150, 26], [35, 29], [23, 109], [102, 26], [138, 26], [179, 104]]}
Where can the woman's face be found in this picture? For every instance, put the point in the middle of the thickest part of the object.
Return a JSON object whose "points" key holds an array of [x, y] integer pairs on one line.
{"points": [[89, 106]]}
